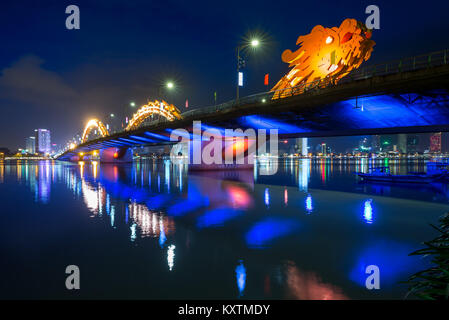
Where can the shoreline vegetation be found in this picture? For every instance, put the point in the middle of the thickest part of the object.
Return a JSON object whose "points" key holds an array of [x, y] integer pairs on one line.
{"points": [[433, 283]]}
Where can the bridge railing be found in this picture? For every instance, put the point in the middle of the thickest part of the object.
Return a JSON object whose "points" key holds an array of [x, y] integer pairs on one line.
{"points": [[403, 65], [408, 64]]}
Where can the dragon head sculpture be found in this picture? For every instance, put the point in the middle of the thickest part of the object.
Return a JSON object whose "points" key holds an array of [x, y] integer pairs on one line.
{"points": [[327, 53]]}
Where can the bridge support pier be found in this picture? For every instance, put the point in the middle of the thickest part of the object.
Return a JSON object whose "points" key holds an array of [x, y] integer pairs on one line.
{"points": [[221, 154], [116, 155]]}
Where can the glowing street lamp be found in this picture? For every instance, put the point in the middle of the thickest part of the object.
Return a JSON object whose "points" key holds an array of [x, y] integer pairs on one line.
{"points": [[254, 43], [132, 104], [112, 115], [241, 63], [170, 85]]}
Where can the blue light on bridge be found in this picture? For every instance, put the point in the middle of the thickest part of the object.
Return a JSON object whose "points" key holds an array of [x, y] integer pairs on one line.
{"points": [[157, 136], [122, 143], [129, 140], [259, 122], [143, 139], [263, 233], [387, 111], [185, 135]]}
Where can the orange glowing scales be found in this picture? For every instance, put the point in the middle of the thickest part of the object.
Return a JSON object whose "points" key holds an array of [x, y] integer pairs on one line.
{"points": [[94, 123], [168, 111], [326, 54]]}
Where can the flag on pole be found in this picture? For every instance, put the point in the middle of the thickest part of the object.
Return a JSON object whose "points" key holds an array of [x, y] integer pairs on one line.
{"points": [[265, 81], [187, 103]]}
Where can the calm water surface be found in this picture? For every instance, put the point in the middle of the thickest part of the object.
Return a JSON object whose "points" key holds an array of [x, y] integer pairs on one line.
{"points": [[154, 230]]}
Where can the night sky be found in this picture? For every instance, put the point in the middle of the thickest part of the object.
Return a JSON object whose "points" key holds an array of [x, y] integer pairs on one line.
{"points": [[55, 78]]}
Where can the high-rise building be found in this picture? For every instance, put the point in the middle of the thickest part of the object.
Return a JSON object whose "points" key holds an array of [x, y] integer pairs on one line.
{"points": [[43, 141], [301, 146], [364, 145], [386, 143], [435, 142], [323, 149], [30, 144], [375, 143], [412, 143], [402, 143]]}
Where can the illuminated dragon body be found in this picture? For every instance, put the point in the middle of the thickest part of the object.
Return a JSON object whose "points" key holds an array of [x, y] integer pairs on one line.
{"points": [[326, 53]]}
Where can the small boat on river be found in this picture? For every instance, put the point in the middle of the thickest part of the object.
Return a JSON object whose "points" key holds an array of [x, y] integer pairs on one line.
{"points": [[435, 172]]}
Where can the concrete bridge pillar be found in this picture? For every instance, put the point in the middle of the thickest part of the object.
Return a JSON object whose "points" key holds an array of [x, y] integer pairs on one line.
{"points": [[221, 154], [116, 155]]}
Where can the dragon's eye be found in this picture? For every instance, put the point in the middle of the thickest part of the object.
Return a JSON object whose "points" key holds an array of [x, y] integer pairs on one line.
{"points": [[346, 37], [329, 39]]}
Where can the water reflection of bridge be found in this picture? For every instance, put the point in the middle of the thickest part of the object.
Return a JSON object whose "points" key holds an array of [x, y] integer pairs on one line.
{"points": [[162, 204]]}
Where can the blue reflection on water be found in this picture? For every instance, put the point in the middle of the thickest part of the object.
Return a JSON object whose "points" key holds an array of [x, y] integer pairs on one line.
{"points": [[267, 197], [264, 232], [185, 206], [309, 205], [392, 259], [162, 236], [158, 201], [217, 217], [368, 211], [240, 274]]}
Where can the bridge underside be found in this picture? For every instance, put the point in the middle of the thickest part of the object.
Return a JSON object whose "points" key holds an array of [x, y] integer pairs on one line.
{"points": [[401, 103], [366, 115]]}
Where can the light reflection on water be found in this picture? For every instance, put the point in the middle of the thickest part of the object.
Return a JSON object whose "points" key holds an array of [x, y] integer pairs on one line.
{"points": [[307, 232]]}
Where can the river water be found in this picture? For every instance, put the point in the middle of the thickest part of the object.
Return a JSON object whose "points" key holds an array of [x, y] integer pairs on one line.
{"points": [[154, 230]]}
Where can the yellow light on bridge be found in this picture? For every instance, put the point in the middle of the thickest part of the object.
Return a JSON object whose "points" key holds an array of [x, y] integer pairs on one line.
{"points": [[81, 154], [94, 123], [72, 146], [168, 111]]}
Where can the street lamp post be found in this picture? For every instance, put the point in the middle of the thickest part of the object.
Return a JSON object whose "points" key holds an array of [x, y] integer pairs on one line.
{"points": [[240, 63], [168, 85]]}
